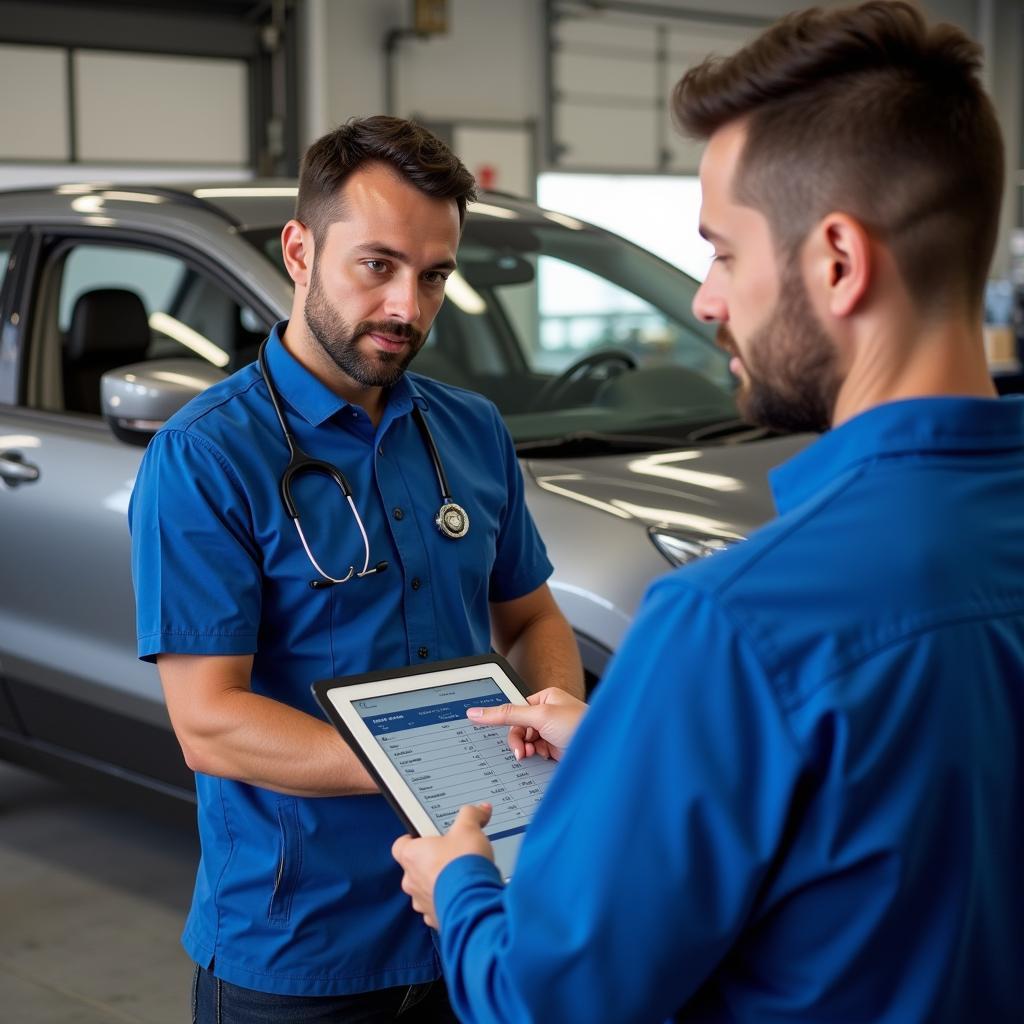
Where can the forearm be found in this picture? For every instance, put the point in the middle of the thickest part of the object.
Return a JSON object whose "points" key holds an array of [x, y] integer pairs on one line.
{"points": [[473, 937], [261, 741], [545, 654]]}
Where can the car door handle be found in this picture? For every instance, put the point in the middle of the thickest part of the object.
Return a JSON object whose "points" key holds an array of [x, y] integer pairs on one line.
{"points": [[15, 470]]}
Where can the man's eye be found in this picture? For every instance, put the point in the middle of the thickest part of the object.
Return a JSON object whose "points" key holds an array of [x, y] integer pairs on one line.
{"points": [[435, 277], [377, 266]]}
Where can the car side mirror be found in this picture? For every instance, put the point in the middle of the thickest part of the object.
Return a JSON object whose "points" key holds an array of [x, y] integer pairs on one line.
{"points": [[138, 399]]}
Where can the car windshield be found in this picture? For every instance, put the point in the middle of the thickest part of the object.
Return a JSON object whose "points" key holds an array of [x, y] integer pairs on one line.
{"points": [[582, 340]]}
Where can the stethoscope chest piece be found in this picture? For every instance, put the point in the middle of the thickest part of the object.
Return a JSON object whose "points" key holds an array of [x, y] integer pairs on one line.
{"points": [[452, 520]]}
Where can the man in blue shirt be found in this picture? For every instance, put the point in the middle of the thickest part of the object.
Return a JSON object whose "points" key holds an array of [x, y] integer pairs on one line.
{"points": [[797, 795], [297, 913]]}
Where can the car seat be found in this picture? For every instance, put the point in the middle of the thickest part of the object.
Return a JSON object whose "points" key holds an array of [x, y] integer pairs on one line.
{"points": [[109, 328]]}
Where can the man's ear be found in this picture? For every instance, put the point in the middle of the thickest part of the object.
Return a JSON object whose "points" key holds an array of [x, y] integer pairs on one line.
{"points": [[297, 248], [839, 261]]}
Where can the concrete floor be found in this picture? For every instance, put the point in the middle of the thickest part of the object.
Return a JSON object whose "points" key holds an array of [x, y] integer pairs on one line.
{"points": [[92, 901]]}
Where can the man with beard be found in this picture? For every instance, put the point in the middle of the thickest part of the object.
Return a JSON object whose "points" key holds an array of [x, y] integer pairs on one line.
{"points": [[297, 913], [797, 794]]}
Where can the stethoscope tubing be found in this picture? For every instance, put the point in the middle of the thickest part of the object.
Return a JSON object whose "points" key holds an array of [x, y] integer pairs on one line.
{"points": [[451, 520]]}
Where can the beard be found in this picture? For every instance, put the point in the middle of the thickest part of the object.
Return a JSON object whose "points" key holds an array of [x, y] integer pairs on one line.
{"points": [[791, 366], [340, 340]]}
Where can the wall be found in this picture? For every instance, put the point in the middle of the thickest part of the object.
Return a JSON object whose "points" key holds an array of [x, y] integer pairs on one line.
{"points": [[1003, 38], [92, 86], [491, 63], [488, 66]]}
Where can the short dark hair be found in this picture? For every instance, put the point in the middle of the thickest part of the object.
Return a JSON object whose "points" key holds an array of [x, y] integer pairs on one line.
{"points": [[412, 152], [869, 111]]}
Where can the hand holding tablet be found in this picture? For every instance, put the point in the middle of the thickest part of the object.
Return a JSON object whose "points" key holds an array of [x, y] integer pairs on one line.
{"points": [[409, 728]]}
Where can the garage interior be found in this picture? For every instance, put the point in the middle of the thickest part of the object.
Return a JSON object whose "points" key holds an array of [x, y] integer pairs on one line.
{"points": [[563, 102]]}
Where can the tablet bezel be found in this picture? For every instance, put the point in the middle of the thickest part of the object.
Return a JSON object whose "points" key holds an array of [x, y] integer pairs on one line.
{"points": [[405, 680]]}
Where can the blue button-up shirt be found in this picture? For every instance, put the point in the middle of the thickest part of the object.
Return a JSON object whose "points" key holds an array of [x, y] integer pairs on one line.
{"points": [[301, 896], [798, 794]]}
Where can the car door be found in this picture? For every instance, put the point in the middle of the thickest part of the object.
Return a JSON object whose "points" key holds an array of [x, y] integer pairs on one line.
{"points": [[9, 457], [67, 627]]}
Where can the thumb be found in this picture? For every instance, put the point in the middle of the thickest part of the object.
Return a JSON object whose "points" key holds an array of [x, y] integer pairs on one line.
{"points": [[508, 714], [398, 847], [472, 816]]}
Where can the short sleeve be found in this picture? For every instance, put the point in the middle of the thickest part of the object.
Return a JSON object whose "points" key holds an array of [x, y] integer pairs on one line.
{"points": [[195, 566], [521, 562]]}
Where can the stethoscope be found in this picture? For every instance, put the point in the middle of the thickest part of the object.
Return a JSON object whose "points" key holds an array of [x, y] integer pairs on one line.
{"points": [[451, 519]]}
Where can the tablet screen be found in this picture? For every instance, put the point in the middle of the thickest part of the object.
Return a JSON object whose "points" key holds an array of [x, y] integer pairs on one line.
{"points": [[447, 761]]}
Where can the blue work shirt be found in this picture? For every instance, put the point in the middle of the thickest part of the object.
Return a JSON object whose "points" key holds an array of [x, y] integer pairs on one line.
{"points": [[798, 794], [301, 896]]}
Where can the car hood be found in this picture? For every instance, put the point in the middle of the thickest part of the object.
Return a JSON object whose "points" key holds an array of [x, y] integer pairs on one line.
{"points": [[716, 491]]}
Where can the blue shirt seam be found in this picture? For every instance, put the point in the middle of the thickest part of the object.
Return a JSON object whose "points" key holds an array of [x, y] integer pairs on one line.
{"points": [[954, 456], [815, 505], [208, 409], [221, 458], [990, 613], [767, 677], [874, 428], [326, 977], [331, 620], [229, 859], [185, 632], [244, 499], [720, 589]]}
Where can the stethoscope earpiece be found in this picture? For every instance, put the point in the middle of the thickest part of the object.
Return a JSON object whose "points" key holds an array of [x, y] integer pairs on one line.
{"points": [[323, 584]]}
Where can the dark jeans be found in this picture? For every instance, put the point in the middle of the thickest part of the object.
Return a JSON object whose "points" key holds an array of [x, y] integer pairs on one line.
{"points": [[219, 1002]]}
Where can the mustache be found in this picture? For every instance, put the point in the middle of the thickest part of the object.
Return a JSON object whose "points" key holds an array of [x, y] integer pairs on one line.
{"points": [[725, 340], [393, 328]]}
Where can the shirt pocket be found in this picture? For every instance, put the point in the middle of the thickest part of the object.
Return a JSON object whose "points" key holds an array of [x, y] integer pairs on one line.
{"points": [[289, 862]]}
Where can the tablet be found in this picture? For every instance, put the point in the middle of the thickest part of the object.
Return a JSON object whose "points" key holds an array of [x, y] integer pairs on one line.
{"points": [[409, 728]]}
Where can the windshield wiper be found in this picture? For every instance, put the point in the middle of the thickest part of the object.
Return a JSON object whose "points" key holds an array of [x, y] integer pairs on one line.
{"points": [[591, 442], [719, 430]]}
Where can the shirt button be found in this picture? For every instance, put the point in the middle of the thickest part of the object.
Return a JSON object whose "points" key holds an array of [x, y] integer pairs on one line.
{"points": [[423, 652], [380, 450], [398, 513], [415, 584]]}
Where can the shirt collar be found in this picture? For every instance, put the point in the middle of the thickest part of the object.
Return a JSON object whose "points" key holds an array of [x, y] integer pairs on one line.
{"points": [[311, 398], [909, 426]]}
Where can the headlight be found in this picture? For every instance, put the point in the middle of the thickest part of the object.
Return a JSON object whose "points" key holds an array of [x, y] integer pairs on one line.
{"points": [[680, 547]]}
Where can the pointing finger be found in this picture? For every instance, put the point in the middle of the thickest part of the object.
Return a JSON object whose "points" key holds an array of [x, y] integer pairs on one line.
{"points": [[507, 714]]}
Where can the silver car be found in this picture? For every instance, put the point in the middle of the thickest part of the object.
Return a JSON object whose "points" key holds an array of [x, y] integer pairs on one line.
{"points": [[118, 304]]}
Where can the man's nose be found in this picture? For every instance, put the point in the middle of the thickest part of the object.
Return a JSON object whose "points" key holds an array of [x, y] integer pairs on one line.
{"points": [[708, 304], [403, 299]]}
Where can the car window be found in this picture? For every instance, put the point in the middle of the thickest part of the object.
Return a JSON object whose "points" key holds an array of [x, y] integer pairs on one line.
{"points": [[579, 332], [104, 306], [153, 276], [573, 311], [6, 245], [533, 297]]}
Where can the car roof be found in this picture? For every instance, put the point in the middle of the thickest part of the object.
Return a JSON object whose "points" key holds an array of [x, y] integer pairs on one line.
{"points": [[250, 204]]}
